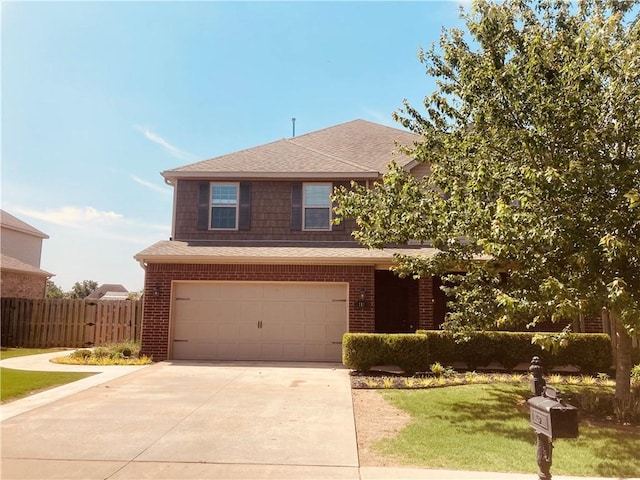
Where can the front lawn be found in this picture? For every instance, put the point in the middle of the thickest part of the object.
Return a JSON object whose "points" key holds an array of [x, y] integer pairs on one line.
{"points": [[486, 427], [16, 384]]}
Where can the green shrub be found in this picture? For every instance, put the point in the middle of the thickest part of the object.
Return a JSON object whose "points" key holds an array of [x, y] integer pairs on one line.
{"points": [[591, 353], [635, 375], [126, 353], [361, 351], [81, 354]]}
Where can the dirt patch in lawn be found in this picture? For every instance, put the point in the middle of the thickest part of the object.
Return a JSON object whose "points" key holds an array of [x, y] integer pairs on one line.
{"points": [[375, 419]]}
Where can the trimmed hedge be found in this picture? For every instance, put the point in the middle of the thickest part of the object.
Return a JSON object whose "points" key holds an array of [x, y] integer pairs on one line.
{"points": [[361, 351], [589, 352]]}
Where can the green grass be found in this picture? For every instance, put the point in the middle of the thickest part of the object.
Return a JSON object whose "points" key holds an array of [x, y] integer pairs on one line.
{"points": [[21, 352], [486, 427], [16, 384], [21, 383]]}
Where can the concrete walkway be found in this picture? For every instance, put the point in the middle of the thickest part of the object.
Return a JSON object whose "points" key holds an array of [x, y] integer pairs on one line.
{"points": [[191, 420]]}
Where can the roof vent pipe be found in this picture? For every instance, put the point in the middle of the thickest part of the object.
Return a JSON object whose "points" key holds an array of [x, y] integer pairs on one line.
{"points": [[293, 122]]}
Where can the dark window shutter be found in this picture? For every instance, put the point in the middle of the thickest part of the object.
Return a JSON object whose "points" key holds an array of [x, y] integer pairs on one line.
{"points": [[203, 206], [296, 206], [340, 226], [244, 221]]}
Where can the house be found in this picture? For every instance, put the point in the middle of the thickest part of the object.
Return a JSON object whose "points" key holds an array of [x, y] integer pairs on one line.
{"points": [[254, 268], [21, 252], [109, 291]]}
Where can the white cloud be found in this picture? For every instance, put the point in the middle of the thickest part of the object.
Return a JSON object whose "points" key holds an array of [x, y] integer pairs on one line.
{"points": [[173, 150], [151, 186], [75, 217], [93, 223]]}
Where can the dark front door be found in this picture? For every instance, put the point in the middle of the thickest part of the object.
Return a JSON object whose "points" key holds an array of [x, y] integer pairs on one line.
{"points": [[396, 303]]}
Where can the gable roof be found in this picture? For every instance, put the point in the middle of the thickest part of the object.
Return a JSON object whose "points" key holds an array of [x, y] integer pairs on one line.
{"points": [[356, 149], [9, 221], [107, 288]]}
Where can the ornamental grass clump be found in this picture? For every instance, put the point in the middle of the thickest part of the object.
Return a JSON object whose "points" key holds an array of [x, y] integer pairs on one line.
{"points": [[126, 353]]}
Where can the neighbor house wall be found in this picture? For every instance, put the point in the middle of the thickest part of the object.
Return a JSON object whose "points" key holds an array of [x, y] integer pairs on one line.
{"points": [[21, 246], [21, 285]]}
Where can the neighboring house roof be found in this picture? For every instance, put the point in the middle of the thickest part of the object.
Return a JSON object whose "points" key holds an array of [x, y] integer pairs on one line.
{"points": [[11, 264], [9, 221], [115, 296], [107, 288], [171, 251], [356, 149]]}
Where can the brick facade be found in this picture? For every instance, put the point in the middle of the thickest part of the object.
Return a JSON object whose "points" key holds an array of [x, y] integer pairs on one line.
{"points": [[22, 285], [159, 277]]}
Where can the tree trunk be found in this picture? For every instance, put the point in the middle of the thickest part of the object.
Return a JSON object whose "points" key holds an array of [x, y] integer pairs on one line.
{"points": [[623, 362]]}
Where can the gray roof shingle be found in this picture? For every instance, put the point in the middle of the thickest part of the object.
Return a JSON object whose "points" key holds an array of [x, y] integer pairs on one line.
{"points": [[14, 265], [172, 251], [356, 149], [9, 221]]}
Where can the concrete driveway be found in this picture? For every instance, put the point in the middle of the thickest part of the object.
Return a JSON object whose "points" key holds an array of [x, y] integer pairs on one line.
{"points": [[177, 420]]}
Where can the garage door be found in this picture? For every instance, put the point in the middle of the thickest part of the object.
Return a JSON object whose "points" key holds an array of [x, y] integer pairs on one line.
{"points": [[259, 321]]}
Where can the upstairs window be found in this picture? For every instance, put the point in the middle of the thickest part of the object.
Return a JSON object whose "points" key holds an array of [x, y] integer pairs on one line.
{"points": [[317, 206], [224, 206]]}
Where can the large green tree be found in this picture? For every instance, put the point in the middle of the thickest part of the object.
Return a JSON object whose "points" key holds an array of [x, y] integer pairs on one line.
{"points": [[532, 136], [53, 290], [82, 289]]}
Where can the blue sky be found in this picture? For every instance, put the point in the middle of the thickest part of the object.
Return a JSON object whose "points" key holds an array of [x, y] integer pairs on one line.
{"points": [[99, 97]]}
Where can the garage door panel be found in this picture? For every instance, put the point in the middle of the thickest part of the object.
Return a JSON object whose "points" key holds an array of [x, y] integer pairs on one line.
{"points": [[334, 351], [336, 292], [335, 332], [293, 312], [227, 351], [272, 330], [228, 331], [182, 349], [293, 331], [337, 310], [315, 312], [250, 312], [259, 321], [273, 311], [271, 351], [206, 349], [184, 330], [206, 331]]}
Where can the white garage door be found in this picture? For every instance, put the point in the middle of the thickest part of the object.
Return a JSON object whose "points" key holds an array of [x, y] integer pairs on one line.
{"points": [[259, 321]]}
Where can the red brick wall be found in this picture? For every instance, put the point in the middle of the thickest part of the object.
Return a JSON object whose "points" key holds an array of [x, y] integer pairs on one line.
{"points": [[20, 285], [426, 304], [155, 324]]}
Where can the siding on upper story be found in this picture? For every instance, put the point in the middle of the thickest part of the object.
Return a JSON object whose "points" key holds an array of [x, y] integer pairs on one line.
{"points": [[270, 216]]}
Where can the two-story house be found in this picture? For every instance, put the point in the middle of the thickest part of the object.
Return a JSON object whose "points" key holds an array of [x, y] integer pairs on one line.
{"points": [[255, 269], [21, 252]]}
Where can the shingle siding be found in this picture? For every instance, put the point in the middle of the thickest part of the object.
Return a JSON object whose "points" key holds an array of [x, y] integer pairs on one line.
{"points": [[270, 216]]}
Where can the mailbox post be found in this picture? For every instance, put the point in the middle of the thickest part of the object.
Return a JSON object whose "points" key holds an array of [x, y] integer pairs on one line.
{"points": [[550, 418]]}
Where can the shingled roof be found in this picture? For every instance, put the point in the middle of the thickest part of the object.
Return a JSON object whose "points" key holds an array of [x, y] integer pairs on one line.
{"points": [[9, 221], [356, 149], [8, 263], [172, 251]]}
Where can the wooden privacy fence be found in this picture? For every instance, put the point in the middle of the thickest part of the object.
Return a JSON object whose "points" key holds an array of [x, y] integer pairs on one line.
{"points": [[45, 323]]}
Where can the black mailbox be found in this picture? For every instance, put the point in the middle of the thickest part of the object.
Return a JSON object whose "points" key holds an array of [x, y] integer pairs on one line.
{"points": [[551, 417]]}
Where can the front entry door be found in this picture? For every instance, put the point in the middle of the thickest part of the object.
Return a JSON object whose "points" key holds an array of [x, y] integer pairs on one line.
{"points": [[396, 303]]}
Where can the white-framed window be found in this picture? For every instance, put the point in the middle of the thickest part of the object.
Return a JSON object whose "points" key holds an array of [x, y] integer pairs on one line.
{"points": [[316, 206], [224, 206]]}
